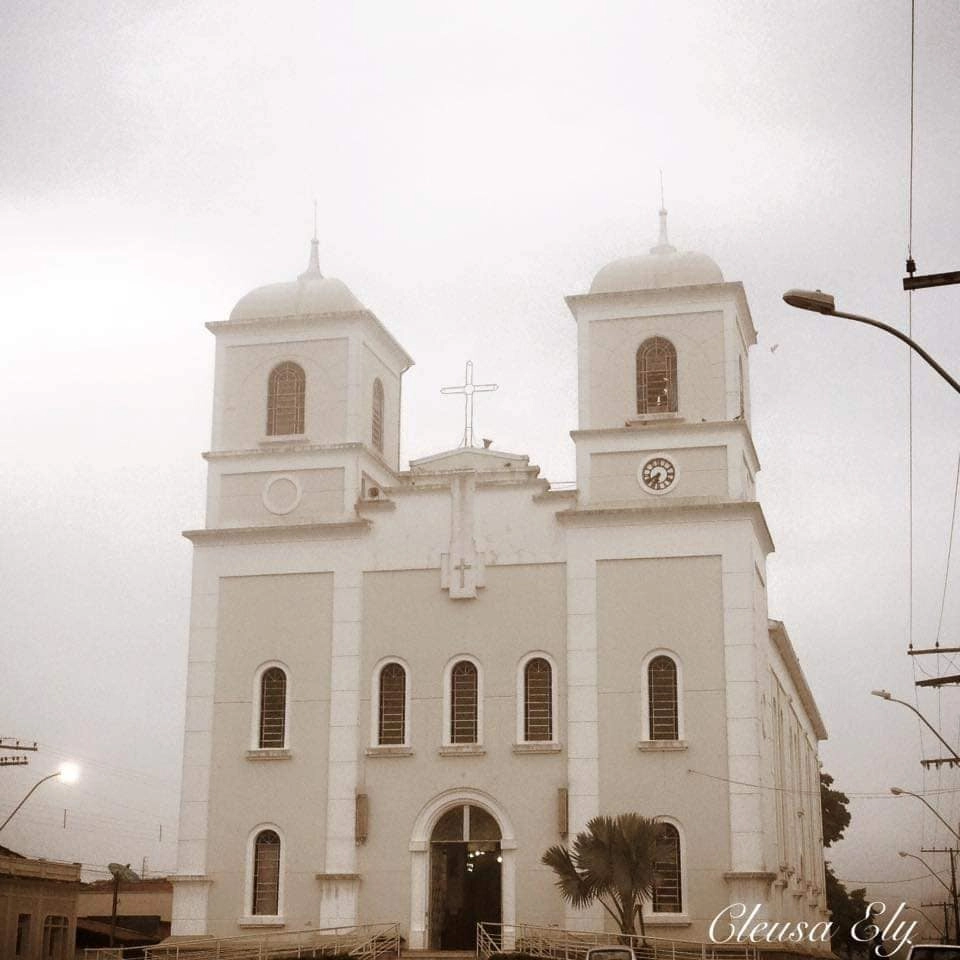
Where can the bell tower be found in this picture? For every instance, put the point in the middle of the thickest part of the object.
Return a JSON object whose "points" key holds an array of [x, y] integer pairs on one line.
{"points": [[664, 399], [306, 412]]}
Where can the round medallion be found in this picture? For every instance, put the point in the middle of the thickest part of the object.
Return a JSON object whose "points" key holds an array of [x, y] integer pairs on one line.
{"points": [[658, 474], [281, 495]]}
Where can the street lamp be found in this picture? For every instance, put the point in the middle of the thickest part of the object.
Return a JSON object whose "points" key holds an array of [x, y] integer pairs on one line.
{"points": [[820, 302], [886, 695], [68, 773], [950, 889], [899, 792]]}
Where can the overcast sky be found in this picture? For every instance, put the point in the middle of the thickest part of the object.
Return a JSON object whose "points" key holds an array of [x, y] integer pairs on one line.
{"points": [[472, 164]]}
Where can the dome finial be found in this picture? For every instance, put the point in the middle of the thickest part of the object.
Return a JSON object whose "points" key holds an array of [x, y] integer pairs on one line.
{"points": [[663, 244], [313, 267]]}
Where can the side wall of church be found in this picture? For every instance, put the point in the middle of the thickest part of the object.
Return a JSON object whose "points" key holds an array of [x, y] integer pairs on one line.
{"points": [[674, 606], [283, 620]]}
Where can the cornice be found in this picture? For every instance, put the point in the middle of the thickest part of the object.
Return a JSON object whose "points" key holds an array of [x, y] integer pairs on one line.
{"points": [[781, 641], [292, 321], [692, 508], [696, 293], [673, 426], [281, 533]]}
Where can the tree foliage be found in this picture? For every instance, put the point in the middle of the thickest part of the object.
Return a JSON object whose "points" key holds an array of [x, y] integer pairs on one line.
{"points": [[847, 907], [833, 805], [611, 862]]}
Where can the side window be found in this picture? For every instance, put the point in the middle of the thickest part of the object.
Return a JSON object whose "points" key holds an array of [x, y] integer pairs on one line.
{"points": [[273, 709], [537, 700], [392, 708], [266, 874], [286, 393], [464, 702], [667, 884], [378, 415], [656, 376], [662, 699]]}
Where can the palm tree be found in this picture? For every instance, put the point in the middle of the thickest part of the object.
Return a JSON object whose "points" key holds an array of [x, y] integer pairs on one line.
{"points": [[611, 862]]}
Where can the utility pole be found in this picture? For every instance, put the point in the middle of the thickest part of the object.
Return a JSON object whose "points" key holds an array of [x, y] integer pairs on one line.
{"points": [[953, 887]]}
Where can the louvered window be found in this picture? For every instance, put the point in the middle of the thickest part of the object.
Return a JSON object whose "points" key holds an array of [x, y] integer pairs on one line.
{"points": [[537, 700], [378, 415], [393, 704], [55, 929], [667, 889], [285, 400], [266, 874], [463, 703], [662, 689], [656, 376], [273, 708]]}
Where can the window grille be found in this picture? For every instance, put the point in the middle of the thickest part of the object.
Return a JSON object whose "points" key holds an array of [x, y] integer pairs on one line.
{"points": [[273, 708], [393, 704], [285, 400], [662, 692], [55, 938], [266, 874], [667, 890], [463, 703], [656, 376], [378, 415], [538, 701]]}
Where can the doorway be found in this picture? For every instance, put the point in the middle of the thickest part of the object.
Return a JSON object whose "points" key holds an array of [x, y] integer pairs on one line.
{"points": [[465, 877]]}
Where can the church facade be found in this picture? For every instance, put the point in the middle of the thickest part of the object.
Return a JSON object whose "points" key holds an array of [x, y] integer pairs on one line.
{"points": [[405, 685]]}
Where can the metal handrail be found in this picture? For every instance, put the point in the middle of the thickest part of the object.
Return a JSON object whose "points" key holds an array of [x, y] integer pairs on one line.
{"points": [[368, 941], [554, 943]]}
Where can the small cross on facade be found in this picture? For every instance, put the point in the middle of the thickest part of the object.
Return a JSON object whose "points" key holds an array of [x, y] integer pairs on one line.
{"points": [[463, 566], [469, 389]]}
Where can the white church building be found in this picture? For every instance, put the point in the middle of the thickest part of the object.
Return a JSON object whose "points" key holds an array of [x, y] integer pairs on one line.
{"points": [[405, 685]]}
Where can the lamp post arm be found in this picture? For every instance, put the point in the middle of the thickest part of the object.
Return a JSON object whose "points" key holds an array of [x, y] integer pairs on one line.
{"points": [[930, 726], [27, 797], [934, 811], [935, 876], [912, 344]]}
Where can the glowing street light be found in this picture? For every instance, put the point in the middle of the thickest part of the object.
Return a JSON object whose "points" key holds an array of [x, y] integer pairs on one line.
{"points": [[819, 302], [68, 773]]}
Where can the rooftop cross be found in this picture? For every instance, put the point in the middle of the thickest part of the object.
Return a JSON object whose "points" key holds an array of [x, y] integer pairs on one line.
{"points": [[468, 389]]}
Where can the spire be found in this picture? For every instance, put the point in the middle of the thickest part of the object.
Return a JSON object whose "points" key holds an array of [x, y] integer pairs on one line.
{"points": [[663, 244], [313, 267]]}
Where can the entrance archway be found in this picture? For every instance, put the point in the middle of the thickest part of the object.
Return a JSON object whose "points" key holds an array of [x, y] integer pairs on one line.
{"points": [[465, 869], [462, 870]]}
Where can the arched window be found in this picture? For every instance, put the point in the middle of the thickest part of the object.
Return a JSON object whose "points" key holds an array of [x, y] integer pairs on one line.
{"points": [[464, 725], [55, 929], [266, 874], [667, 886], [662, 699], [392, 713], [285, 400], [273, 709], [537, 700], [656, 376], [378, 415]]}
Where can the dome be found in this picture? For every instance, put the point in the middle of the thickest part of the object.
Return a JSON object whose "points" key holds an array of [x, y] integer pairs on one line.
{"points": [[663, 266], [310, 293]]}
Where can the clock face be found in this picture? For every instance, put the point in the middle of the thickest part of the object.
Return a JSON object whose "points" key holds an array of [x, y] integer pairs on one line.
{"points": [[658, 475]]}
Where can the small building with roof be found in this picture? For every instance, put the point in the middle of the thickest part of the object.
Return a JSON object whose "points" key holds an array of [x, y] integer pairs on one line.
{"points": [[405, 683], [38, 907]]}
